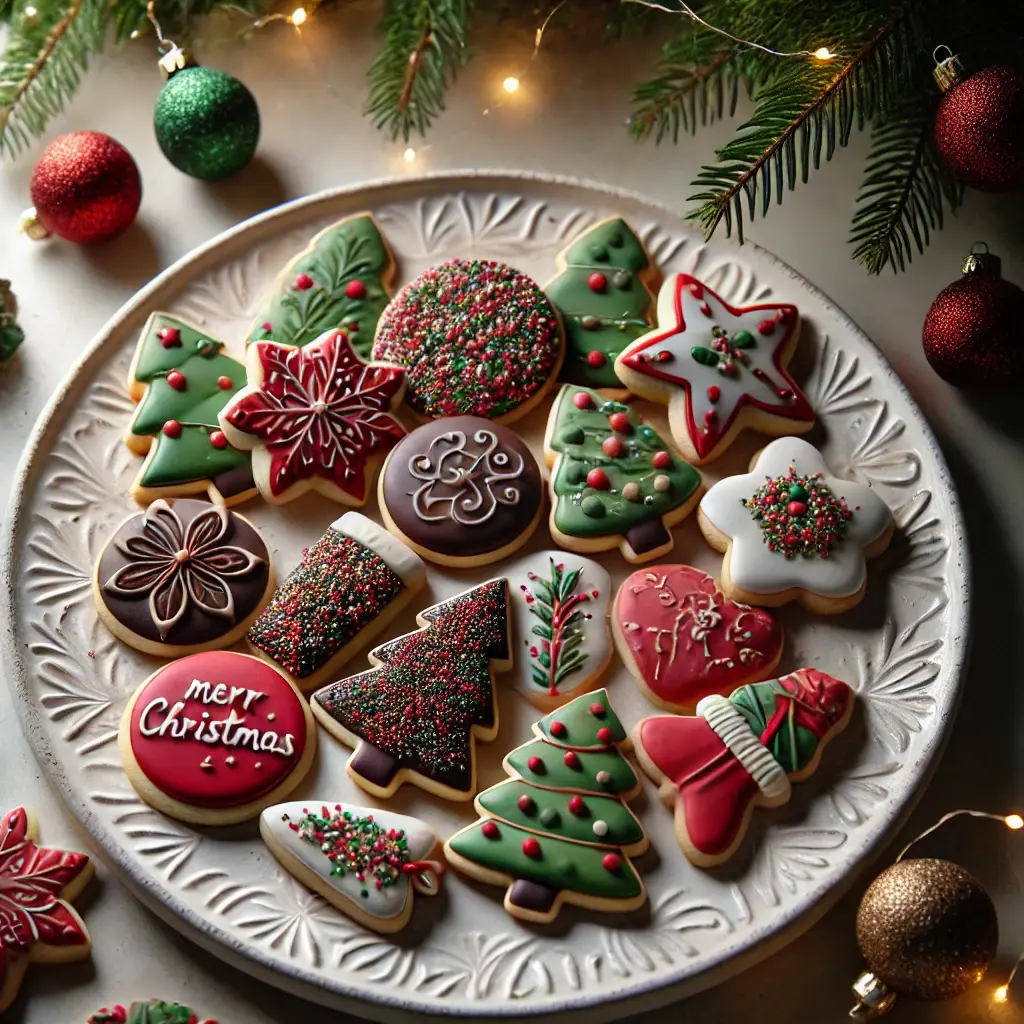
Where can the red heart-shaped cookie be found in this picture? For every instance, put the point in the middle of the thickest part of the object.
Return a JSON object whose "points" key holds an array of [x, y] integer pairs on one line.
{"points": [[682, 640]]}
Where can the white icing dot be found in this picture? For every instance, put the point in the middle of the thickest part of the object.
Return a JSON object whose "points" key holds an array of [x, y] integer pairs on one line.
{"points": [[604, 778], [206, 714], [271, 716], [206, 765], [600, 828], [258, 764], [230, 759], [662, 483]]}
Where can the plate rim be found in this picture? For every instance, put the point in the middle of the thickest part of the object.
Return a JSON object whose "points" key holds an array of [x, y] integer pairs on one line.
{"points": [[642, 993]]}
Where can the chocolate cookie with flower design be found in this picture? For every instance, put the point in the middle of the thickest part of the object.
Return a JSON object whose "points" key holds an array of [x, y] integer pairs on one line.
{"points": [[182, 577]]}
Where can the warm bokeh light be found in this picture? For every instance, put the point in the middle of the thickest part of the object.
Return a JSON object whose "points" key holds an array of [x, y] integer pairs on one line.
{"points": [[298, 16], [510, 84], [409, 155], [1000, 994], [823, 53], [1014, 821]]}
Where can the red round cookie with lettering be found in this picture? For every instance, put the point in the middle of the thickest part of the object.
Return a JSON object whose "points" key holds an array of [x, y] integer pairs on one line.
{"points": [[214, 738], [682, 640]]}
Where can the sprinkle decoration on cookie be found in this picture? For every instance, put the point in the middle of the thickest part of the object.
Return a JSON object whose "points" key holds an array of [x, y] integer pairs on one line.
{"points": [[476, 337]]}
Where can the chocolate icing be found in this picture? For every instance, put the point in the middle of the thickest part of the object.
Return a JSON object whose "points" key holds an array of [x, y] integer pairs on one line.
{"points": [[531, 895], [235, 481], [648, 536], [374, 764], [195, 626], [491, 506]]}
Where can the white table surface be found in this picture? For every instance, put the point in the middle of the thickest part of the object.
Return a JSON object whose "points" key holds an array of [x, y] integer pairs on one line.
{"points": [[568, 118]]}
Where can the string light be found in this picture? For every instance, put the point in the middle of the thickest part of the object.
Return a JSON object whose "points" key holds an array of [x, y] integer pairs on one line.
{"points": [[299, 16], [409, 155], [1014, 822], [511, 84], [823, 53]]}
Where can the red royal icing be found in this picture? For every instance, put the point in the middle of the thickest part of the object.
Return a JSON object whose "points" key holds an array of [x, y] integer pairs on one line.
{"points": [[687, 640], [303, 282], [582, 400], [170, 337], [176, 379], [596, 358], [619, 422], [253, 715], [355, 290], [597, 282]]}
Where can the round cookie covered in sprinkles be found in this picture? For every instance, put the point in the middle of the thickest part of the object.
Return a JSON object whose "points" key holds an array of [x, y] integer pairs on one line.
{"points": [[476, 337]]}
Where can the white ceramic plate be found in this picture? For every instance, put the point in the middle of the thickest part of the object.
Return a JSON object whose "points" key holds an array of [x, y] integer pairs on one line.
{"points": [[903, 649]]}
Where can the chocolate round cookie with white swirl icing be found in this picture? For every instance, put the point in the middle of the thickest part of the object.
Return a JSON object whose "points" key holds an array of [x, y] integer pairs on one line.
{"points": [[182, 577], [461, 491]]}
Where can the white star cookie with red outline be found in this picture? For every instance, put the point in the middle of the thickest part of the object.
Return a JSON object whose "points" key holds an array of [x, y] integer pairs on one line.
{"points": [[718, 368]]}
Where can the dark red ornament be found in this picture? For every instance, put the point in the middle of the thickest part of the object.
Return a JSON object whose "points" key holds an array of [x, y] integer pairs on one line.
{"points": [[971, 334], [85, 188], [979, 127]]}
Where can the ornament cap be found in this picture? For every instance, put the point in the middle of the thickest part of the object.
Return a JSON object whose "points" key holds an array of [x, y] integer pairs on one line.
{"points": [[175, 60], [874, 998], [31, 226], [980, 261], [948, 71]]}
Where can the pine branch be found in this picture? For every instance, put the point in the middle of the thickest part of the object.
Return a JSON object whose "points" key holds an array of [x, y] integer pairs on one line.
{"points": [[42, 66], [905, 187], [425, 44]]}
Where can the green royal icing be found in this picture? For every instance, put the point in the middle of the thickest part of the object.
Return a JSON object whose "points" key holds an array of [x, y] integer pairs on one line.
{"points": [[503, 802], [557, 775], [582, 511], [154, 1011], [191, 456], [352, 250], [581, 725], [601, 321], [792, 745]]}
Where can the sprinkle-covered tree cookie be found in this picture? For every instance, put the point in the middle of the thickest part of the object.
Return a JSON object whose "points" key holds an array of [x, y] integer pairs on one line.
{"points": [[614, 482], [558, 831], [603, 291], [339, 281], [181, 379]]}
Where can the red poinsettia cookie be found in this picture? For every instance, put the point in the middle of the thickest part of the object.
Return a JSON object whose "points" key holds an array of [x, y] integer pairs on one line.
{"points": [[316, 418]]}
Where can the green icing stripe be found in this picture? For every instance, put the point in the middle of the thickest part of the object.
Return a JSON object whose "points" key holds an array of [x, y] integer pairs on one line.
{"points": [[548, 812], [558, 775], [563, 865], [791, 745]]}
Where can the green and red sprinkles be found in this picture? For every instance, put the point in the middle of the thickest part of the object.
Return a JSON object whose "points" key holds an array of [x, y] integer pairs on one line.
{"points": [[337, 589], [356, 846], [476, 338], [799, 515]]}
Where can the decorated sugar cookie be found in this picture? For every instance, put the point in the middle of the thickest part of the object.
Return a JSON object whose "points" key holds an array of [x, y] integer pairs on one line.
{"points": [[182, 577], [603, 292], [682, 639], [340, 280], [368, 863], [214, 738], [559, 831], [793, 532], [315, 418], [417, 714], [560, 616], [739, 753], [182, 379], [150, 1011], [348, 587], [718, 368], [614, 482], [476, 337], [37, 921], [462, 491]]}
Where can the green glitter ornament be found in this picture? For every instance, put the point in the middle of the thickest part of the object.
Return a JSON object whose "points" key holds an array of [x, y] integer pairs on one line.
{"points": [[206, 121]]}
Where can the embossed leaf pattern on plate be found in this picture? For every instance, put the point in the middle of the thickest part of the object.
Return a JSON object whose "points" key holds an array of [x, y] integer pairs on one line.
{"points": [[78, 678]]}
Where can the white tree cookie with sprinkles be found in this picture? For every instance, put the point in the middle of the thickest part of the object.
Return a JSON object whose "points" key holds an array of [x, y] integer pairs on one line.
{"points": [[793, 532], [476, 337], [718, 368]]}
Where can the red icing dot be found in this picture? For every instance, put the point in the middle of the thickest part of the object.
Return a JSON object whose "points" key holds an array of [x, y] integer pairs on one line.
{"points": [[571, 759], [490, 830], [705, 309], [176, 379], [582, 400], [531, 847], [709, 417], [611, 862], [303, 282], [596, 358], [598, 479], [597, 282], [535, 764], [766, 327], [791, 538], [577, 806], [526, 803], [714, 393], [597, 709], [218, 440], [170, 337], [224, 383], [267, 327], [172, 428], [355, 290], [661, 460], [796, 508], [605, 735], [619, 422], [612, 446], [557, 728], [664, 356]]}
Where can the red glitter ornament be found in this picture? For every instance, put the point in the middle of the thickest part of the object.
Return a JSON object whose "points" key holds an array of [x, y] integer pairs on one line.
{"points": [[490, 830], [619, 422], [176, 380], [596, 358], [598, 479], [531, 847], [355, 290], [218, 440], [597, 282], [172, 428], [582, 400], [612, 446], [85, 188], [611, 862], [576, 805], [971, 335], [979, 126]]}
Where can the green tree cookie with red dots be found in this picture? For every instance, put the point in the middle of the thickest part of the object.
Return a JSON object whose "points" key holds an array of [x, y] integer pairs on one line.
{"points": [[558, 830], [150, 1011], [181, 379]]}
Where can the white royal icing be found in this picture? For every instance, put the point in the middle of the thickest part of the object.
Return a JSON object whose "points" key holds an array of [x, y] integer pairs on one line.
{"points": [[754, 568], [401, 560], [593, 625], [383, 903]]}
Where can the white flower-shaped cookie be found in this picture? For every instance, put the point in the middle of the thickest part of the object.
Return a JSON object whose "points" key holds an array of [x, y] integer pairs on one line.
{"points": [[792, 531]]}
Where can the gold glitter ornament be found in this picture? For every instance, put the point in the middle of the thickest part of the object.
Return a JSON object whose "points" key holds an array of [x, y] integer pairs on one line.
{"points": [[927, 929]]}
